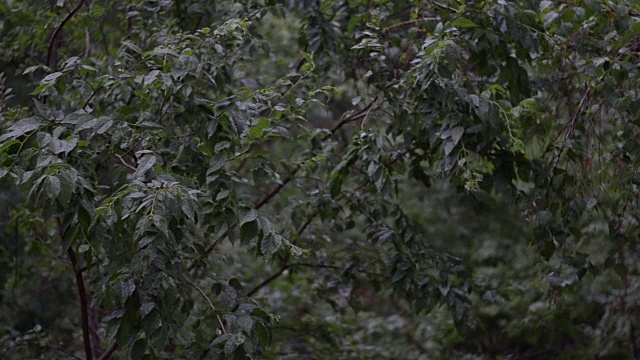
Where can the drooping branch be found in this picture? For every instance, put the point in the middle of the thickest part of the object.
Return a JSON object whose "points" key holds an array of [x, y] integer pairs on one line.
{"points": [[360, 115], [286, 265], [56, 32]]}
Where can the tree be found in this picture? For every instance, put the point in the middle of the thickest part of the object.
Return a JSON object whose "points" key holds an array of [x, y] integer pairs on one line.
{"points": [[319, 179]]}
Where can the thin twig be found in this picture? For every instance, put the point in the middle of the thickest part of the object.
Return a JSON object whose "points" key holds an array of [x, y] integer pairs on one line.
{"points": [[87, 43], [109, 352], [55, 348], [443, 6], [123, 162], [410, 22], [265, 199], [213, 308], [355, 117], [571, 124], [335, 267], [95, 91], [366, 117], [308, 222], [56, 32]]}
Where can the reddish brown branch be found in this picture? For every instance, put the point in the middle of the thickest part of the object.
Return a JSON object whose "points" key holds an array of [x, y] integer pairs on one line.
{"points": [[307, 223], [268, 280], [82, 293], [56, 32], [362, 114], [265, 199]]}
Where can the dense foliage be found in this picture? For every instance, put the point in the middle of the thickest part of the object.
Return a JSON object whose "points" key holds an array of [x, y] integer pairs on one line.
{"points": [[319, 179]]}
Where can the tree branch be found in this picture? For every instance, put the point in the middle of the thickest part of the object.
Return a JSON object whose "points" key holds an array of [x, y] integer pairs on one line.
{"points": [[268, 280], [265, 199], [82, 293], [56, 32], [335, 267], [361, 114]]}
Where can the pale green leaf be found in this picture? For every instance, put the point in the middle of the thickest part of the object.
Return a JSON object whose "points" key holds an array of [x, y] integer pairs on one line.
{"points": [[463, 23], [53, 187], [270, 245], [144, 164], [22, 127]]}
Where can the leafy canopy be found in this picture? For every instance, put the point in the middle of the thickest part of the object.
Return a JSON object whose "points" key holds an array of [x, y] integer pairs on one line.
{"points": [[319, 179]]}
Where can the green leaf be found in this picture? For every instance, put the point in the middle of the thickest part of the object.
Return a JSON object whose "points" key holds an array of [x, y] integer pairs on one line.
{"points": [[103, 123], [63, 146], [250, 216], [89, 124], [549, 18], [463, 23], [353, 22], [51, 78], [144, 242], [7, 145], [53, 187], [456, 134], [264, 123], [256, 132], [187, 208], [132, 46], [448, 147], [22, 127], [145, 163], [161, 223], [68, 180], [146, 308], [138, 349], [222, 195], [233, 342], [270, 245], [127, 289], [249, 230], [246, 323]]}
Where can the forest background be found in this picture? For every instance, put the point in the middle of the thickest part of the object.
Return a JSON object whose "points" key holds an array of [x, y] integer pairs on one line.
{"points": [[335, 179]]}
